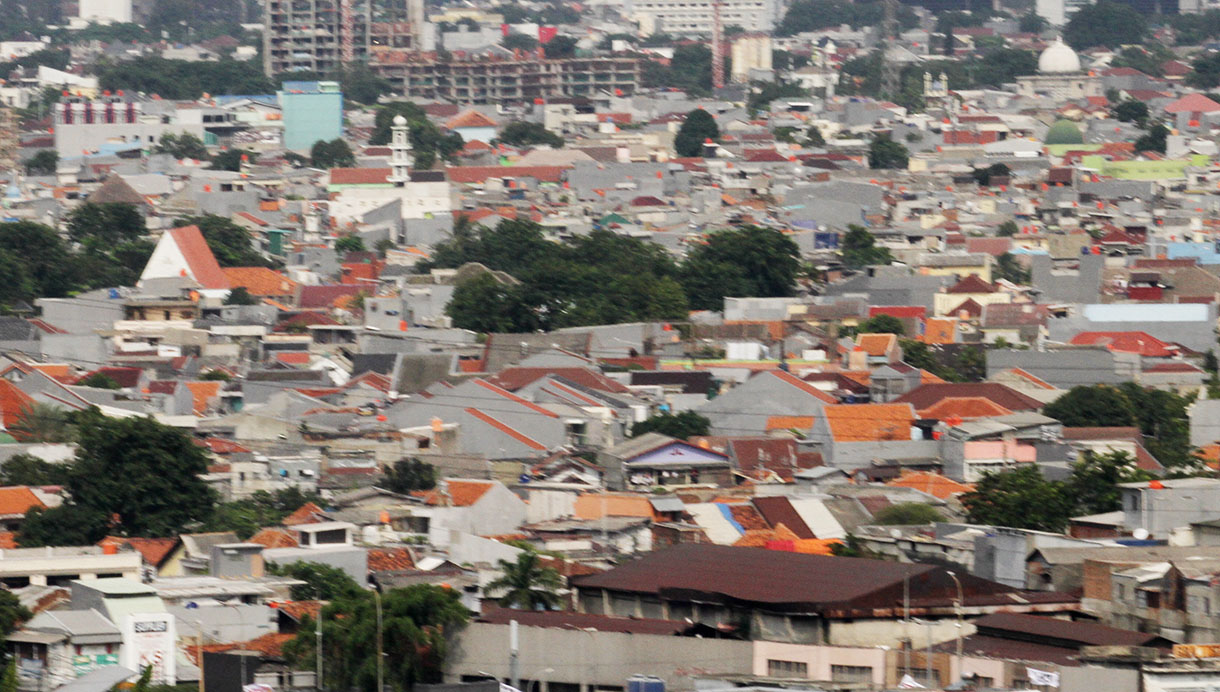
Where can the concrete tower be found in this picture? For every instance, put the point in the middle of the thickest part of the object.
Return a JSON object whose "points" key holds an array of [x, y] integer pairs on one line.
{"points": [[400, 152]]}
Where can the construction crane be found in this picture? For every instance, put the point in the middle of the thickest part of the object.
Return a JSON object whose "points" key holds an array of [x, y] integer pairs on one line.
{"points": [[347, 30], [890, 76], [717, 46]]}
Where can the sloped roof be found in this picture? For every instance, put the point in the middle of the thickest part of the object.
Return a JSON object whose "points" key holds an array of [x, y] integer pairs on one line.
{"points": [[359, 176], [971, 284], [274, 538], [931, 483], [1142, 343], [876, 344], [869, 422], [965, 407], [305, 514], [456, 493], [116, 190], [152, 550], [927, 395], [199, 257], [16, 500], [514, 378], [469, 118], [260, 281], [1193, 103]]}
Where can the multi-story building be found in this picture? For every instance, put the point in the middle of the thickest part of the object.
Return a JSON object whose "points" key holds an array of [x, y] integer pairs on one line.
{"points": [[492, 79], [307, 35], [684, 17]]}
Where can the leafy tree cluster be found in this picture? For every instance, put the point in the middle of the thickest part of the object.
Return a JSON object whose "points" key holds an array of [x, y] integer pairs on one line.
{"points": [[112, 249], [983, 176], [884, 153], [993, 68], [130, 476], [418, 623], [1204, 71], [333, 154], [811, 15], [698, 127], [322, 582], [527, 134], [1161, 416], [1147, 59], [965, 363], [1130, 111], [231, 159], [690, 70], [358, 82], [427, 141], [26, 469], [603, 277], [1024, 498], [561, 47], [907, 513], [880, 324], [349, 243], [44, 162], [408, 475], [761, 95], [246, 517], [1194, 29], [682, 426], [1108, 23], [1009, 268], [860, 249], [182, 79], [182, 146], [526, 583]]}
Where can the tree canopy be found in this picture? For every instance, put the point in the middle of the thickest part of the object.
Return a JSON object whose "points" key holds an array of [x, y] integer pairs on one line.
{"points": [[526, 583], [884, 152], [525, 134], [182, 146], [698, 127], [408, 475], [907, 513], [427, 141], [333, 154], [739, 262], [231, 244], [182, 79], [682, 426], [860, 249], [811, 15], [1108, 23]]}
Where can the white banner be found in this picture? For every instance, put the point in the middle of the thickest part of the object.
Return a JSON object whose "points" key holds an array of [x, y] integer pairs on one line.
{"points": [[1042, 678], [909, 683]]}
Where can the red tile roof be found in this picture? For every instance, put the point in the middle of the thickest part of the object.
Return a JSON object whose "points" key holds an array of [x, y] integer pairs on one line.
{"points": [[260, 281], [869, 422], [1193, 103], [359, 176], [12, 402], [152, 550], [305, 514], [899, 311], [382, 560], [479, 174], [274, 538], [199, 257], [927, 395], [515, 378], [971, 284], [469, 118], [966, 408], [1142, 343], [931, 483], [456, 493], [16, 500]]}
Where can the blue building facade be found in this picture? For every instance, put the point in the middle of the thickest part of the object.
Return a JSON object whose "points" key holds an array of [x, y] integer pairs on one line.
{"points": [[312, 111]]}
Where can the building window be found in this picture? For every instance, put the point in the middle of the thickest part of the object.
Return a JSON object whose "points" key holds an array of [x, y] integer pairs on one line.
{"points": [[787, 669], [851, 674], [1141, 598]]}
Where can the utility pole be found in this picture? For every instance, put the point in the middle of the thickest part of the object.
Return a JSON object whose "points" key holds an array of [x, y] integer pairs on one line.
{"points": [[380, 655], [717, 46], [890, 77], [906, 623], [514, 673], [318, 637]]}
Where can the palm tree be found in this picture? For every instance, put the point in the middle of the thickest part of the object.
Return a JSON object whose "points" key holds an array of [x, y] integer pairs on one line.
{"points": [[39, 422], [527, 583]]}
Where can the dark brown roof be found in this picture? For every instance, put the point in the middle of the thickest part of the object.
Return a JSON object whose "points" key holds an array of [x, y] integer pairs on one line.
{"points": [[927, 395], [1059, 632], [581, 621], [777, 510], [782, 580]]}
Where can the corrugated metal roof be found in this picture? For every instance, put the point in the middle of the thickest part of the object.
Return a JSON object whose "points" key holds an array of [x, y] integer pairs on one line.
{"points": [[818, 518], [717, 527]]}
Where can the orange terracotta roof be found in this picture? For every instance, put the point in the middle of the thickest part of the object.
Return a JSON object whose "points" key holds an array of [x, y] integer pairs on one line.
{"points": [[458, 493], [299, 609], [203, 392], [789, 423], [802, 385], [274, 538], [469, 118], [12, 402], [598, 505], [759, 538], [152, 550], [876, 344], [869, 422], [479, 174], [305, 514], [57, 371], [931, 483], [199, 257], [926, 377], [388, 560], [965, 407], [8, 540], [941, 330], [270, 645], [260, 281], [816, 546], [16, 500], [359, 176]]}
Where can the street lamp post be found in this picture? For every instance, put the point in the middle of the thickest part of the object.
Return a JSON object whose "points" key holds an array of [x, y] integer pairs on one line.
{"points": [[960, 605], [534, 680], [380, 655]]}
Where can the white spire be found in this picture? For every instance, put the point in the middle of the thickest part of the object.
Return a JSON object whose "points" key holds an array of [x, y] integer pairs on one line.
{"points": [[400, 152]]}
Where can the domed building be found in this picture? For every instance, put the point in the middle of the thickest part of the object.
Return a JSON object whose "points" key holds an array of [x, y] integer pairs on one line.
{"points": [[1060, 76]]}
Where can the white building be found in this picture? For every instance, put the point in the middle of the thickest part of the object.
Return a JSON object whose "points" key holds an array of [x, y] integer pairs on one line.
{"points": [[1060, 76], [686, 17], [421, 194], [105, 11]]}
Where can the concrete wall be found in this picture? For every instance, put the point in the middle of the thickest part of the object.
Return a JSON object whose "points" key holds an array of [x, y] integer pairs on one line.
{"points": [[819, 659], [602, 659]]}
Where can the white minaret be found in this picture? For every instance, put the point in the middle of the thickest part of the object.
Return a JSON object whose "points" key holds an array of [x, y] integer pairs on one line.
{"points": [[400, 152]]}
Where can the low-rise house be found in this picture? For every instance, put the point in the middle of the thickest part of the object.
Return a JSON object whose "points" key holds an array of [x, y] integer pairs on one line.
{"points": [[653, 459], [851, 436], [57, 646]]}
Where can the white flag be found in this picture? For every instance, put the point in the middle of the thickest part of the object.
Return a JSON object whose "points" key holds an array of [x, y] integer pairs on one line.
{"points": [[1042, 678], [908, 683]]}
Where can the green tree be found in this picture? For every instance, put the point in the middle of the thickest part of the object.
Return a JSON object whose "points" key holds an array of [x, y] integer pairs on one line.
{"points": [[262, 509], [983, 176], [1095, 479], [144, 474], [231, 159], [969, 364], [27, 469], [525, 134], [333, 154], [519, 42], [1092, 406], [44, 162], [1009, 268], [526, 583], [240, 296], [739, 262], [811, 15], [1154, 140], [1143, 59], [1106, 23], [690, 70], [483, 304], [322, 582], [230, 243], [1031, 23], [408, 475], [682, 426], [182, 146], [418, 624], [12, 613], [561, 47], [63, 525], [361, 84], [107, 223], [98, 380], [882, 324], [698, 127], [43, 254], [1020, 498], [42, 422], [349, 243], [860, 249], [182, 79], [8, 683], [884, 152], [907, 514], [815, 136], [1007, 229]]}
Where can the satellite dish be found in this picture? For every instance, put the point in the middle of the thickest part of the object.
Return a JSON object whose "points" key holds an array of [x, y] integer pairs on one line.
{"points": [[895, 533], [1140, 534]]}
